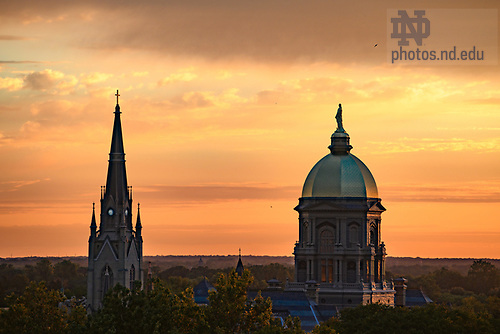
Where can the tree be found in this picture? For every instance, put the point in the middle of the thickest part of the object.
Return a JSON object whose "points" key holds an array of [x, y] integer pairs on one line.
{"points": [[228, 302], [137, 311], [327, 327], [432, 318], [12, 281], [35, 311], [230, 311], [161, 311], [483, 276]]}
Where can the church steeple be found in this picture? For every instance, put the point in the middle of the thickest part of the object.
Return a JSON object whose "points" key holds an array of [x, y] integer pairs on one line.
{"points": [[138, 225], [115, 250], [93, 225], [239, 267], [116, 183]]}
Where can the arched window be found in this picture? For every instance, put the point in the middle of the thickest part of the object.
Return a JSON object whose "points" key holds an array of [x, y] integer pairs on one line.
{"points": [[106, 279], [132, 276], [353, 236], [326, 241]]}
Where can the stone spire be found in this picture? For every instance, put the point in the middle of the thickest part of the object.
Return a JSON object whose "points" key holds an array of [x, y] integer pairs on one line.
{"points": [[340, 138], [93, 224], [138, 224], [115, 250], [116, 183], [239, 266]]}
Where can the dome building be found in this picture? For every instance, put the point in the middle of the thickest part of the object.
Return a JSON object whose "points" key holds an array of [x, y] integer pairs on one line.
{"points": [[339, 257]]}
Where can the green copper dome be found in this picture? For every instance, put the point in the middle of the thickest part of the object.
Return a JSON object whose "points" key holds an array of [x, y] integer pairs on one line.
{"points": [[340, 174]]}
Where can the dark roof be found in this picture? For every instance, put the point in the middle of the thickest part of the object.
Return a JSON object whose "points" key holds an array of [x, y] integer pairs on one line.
{"points": [[416, 297], [201, 291], [295, 304], [274, 280], [239, 267]]}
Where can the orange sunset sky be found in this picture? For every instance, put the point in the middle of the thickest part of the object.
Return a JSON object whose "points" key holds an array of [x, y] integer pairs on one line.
{"points": [[226, 106]]}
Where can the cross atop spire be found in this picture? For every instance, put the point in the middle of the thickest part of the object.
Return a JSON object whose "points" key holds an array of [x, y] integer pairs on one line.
{"points": [[117, 96], [116, 182]]}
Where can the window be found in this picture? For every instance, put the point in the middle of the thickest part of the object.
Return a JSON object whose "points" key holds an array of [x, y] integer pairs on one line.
{"points": [[323, 270], [327, 270], [132, 276], [353, 236], [326, 241], [106, 279]]}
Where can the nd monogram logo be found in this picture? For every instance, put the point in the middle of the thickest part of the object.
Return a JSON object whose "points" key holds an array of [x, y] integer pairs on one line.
{"points": [[419, 27]]}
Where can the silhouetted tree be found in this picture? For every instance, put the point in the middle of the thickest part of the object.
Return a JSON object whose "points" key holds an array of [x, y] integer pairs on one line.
{"points": [[37, 311], [483, 276]]}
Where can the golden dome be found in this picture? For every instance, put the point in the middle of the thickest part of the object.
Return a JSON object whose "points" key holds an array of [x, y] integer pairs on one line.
{"points": [[340, 176]]}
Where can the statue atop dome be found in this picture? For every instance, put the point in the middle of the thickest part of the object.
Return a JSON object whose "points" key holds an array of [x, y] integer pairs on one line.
{"points": [[338, 117]]}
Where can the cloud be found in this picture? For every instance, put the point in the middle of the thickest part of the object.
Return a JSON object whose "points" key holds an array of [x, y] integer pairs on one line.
{"points": [[67, 85], [404, 145], [55, 82], [11, 84], [96, 77], [12, 38], [194, 100], [42, 80], [30, 127], [466, 192], [140, 74], [55, 123], [489, 100], [5, 140], [20, 62], [276, 31], [176, 78], [8, 186], [204, 193]]}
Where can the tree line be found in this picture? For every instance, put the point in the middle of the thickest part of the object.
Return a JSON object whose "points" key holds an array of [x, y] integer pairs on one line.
{"points": [[444, 286], [464, 304]]}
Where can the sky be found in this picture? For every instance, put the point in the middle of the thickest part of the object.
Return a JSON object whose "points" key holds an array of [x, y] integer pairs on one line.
{"points": [[227, 105]]}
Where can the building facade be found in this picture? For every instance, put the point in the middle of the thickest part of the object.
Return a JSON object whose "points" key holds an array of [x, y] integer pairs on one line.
{"points": [[340, 256], [115, 248]]}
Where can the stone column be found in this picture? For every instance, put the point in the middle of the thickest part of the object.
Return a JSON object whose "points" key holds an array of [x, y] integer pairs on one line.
{"points": [[370, 270], [358, 275], [341, 272]]}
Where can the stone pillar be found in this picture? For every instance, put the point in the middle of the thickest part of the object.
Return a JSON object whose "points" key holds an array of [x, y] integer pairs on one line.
{"points": [[382, 269], [341, 272], [370, 270], [358, 274], [312, 231], [400, 287]]}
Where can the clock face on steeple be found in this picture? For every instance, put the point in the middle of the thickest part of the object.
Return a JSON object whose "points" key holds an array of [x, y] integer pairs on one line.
{"points": [[110, 212]]}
